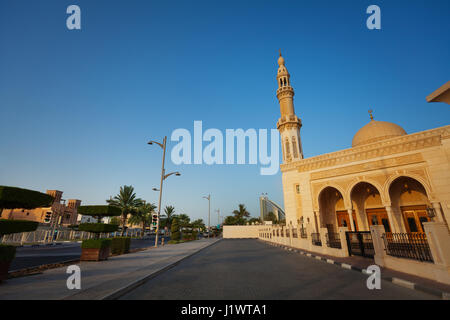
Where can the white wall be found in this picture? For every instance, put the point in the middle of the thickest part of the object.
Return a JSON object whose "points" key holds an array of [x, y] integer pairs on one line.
{"points": [[240, 232]]}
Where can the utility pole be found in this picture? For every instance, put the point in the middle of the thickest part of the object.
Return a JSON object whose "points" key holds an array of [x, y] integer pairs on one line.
{"points": [[164, 176], [209, 213]]}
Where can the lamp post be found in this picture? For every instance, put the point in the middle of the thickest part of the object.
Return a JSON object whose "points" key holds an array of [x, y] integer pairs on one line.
{"points": [[164, 176], [209, 212]]}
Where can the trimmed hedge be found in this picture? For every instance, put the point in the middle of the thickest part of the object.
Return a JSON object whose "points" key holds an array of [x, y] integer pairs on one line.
{"points": [[97, 211], [13, 198], [7, 253], [16, 226], [98, 227], [96, 244], [120, 245]]}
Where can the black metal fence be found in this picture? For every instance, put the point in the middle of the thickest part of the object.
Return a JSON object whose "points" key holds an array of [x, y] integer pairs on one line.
{"points": [[334, 240], [408, 245], [315, 237], [360, 243], [303, 234]]}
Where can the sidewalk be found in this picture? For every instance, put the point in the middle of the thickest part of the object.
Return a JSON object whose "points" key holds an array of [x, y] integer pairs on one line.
{"points": [[101, 280], [359, 264]]}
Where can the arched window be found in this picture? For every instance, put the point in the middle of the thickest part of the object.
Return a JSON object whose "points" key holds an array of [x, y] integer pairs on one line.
{"points": [[294, 147], [288, 153]]}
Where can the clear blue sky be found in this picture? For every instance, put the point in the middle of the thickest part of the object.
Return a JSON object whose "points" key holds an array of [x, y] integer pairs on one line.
{"points": [[77, 107]]}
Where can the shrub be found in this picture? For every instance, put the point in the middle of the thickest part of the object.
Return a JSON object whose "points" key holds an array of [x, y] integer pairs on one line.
{"points": [[16, 226], [12, 198], [120, 245], [100, 211], [96, 244], [7, 253], [97, 227], [175, 230]]}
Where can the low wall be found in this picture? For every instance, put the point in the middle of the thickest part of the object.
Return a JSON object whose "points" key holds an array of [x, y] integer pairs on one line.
{"points": [[241, 232]]}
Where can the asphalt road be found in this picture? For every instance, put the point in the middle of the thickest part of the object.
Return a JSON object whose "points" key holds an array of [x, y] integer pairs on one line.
{"points": [[27, 257], [250, 269]]}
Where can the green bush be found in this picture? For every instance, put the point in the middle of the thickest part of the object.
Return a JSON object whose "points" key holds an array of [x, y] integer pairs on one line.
{"points": [[100, 211], [12, 198], [175, 230], [7, 253], [96, 244], [16, 226], [98, 227], [120, 245]]}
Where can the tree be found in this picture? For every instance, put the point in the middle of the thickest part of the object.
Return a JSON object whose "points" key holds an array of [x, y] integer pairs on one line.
{"points": [[254, 220], [241, 212], [115, 220], [271, 217], [183, 220], [175, 230], [198, 224], [168, 216], [126, 200], [143, 215]]}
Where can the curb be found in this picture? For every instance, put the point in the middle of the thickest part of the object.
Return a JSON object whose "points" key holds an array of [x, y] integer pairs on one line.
{"points": [[43, 267], [397, 281], [137, 283]]}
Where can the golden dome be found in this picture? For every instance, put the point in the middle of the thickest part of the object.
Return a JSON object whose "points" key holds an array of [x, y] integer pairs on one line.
{"points": [[376, 131]]}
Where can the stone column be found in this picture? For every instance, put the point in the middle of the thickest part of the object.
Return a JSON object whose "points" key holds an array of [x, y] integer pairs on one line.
{"points": [[438, 239], [342, 236], [378, 244], [438, 211], [393, 219], [350, 216]]}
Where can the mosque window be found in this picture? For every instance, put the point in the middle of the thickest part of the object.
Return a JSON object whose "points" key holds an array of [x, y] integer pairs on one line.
{"points": [[294, 147], [288, 153], [297, 188]]}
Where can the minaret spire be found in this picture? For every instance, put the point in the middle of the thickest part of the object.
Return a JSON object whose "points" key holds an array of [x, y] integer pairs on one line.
{"points": [[289, 124]]}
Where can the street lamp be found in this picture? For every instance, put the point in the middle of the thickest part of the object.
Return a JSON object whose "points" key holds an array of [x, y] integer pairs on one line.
{"points": [[209, 212], [164, 176]]}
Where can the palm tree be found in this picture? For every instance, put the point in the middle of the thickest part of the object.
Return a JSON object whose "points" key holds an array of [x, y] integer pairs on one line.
{"points": [[143, 215], [127, 201], [168, 216], [242, 213]]}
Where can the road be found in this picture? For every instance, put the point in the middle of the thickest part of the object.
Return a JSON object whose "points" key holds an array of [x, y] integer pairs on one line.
{"points": [[27, 257], [250, 269]]}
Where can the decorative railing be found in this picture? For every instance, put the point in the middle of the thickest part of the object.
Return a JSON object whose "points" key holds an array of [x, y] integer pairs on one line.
{"points": [[315, 237], [408, 245], [334, 240]]}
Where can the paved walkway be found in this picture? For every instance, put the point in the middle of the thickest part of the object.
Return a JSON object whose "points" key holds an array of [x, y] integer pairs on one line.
{"points": [[247, 269], [100, 280]]}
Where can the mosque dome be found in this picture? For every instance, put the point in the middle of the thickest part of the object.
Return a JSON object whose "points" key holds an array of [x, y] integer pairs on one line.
{"points": [[376, 131]]}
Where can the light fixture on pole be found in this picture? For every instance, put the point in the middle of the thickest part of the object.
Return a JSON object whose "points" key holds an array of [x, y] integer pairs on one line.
{"points": [[164, 176], [209, 212]]}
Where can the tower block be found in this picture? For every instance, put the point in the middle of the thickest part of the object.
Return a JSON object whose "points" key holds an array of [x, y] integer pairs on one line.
{"points": [[289, 124]]}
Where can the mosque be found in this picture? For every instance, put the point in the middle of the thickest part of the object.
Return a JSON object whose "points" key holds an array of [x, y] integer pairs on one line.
{"points": [[388, 177]]}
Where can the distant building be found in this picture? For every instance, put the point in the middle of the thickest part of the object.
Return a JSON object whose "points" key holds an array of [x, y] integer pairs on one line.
{"points": [[64, 214], [266, 206]]}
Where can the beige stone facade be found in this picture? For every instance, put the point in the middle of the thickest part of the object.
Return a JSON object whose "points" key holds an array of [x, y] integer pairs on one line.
{"points": [[64, 214], [387, 177]]}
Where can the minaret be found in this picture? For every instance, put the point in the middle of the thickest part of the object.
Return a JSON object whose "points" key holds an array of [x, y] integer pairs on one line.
{"points": [[289, 124]]}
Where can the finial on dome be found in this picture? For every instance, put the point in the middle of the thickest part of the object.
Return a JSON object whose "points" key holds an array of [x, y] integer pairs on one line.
{"points": [[371, 115], [280, 59]]}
